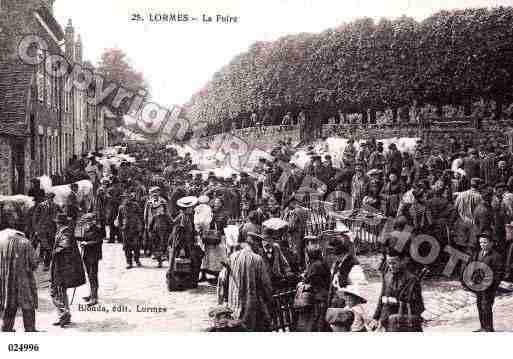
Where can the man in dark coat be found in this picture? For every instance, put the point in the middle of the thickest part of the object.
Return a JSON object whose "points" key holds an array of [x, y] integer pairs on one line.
{"points": [[131, 224], [296, 230], [18, 288], [399, 285], [66, 269], [92, 254], [44, 227], [72, 205], [485, 291]]}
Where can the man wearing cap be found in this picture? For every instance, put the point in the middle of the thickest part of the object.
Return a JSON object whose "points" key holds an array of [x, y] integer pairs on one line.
{"points": [[92, 254], [131, 225], [249, 286], [44, 227], [296, 229], [359, 186], [155, 206], [466, 204], [277, 265], [399, 285], [66, 268], [486, 255]]}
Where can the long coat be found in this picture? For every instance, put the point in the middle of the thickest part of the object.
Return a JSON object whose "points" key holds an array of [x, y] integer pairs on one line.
{"points": [[401, 287], [130, 222], [17, 265], [66, 270], [249, 290]]}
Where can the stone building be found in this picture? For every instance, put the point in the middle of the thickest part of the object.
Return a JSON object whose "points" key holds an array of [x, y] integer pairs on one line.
{"points": [[41, 125]]}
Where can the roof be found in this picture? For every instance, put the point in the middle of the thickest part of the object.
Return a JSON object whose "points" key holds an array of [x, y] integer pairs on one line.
{"points": [[15, 81], [51, 22]]}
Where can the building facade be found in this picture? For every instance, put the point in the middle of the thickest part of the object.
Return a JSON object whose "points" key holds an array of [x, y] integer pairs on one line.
{"points": [[41, 124]]}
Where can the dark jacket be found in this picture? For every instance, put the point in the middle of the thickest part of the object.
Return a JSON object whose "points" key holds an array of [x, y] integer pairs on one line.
{"points": [[93, 249], [67, 270], [494, 260], [398, 288], [318, 275]]}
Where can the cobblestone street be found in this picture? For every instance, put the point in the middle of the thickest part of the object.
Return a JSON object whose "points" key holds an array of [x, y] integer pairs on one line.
{"points": [[448, 307], [134, 289]]}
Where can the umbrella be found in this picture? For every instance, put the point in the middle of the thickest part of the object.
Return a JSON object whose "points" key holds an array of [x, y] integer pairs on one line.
{"points": [[275, 224]]}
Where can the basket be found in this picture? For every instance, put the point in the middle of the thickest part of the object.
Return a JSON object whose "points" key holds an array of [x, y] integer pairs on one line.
{"points": [[183, 265]]}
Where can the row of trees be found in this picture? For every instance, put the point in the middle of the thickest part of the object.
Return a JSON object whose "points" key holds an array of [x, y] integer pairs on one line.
{"points": [[453, 57]]}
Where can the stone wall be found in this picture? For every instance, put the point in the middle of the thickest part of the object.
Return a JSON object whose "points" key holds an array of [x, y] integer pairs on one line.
{"points": [[5, 166], [377, 131]]}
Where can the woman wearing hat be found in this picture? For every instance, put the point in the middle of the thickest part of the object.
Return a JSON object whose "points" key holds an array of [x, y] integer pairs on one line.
{"points": [[215, 254], [182, 242], [318, 277]]}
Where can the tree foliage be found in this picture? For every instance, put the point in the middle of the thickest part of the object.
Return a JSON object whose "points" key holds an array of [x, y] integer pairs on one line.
{"points": [[452, 57], [114, 66]]}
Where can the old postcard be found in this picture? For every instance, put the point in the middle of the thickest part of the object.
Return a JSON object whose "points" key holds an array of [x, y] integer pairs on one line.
{"points": [[255, 166]]}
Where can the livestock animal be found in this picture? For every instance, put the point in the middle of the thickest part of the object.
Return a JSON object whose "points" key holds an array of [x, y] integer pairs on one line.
{"points": [[85, 193]]}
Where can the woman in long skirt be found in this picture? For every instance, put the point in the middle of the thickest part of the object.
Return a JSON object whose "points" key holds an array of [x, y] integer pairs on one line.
{"points": [[215, 254]]}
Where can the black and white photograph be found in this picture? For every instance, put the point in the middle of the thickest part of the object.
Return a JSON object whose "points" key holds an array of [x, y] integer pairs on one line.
{"points": [[255, 166]]}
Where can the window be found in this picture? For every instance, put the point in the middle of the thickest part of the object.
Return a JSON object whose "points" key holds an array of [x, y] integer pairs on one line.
{"points": [[41, 83], [41, 155]]}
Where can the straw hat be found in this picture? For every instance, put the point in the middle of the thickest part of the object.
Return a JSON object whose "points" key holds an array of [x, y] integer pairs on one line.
{"points": [[186, 202]]}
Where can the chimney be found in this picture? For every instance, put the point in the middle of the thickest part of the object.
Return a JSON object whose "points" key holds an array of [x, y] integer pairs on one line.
{"points": [[69, 39], [78, 50]]}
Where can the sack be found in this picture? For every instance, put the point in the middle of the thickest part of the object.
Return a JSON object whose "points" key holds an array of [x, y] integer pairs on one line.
{"points": [[304, 296], [404, 322], [177, 281], [212, 237]]}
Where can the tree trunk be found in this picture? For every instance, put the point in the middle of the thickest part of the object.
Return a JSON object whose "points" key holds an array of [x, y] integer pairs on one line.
{"points": [[498, 108]]}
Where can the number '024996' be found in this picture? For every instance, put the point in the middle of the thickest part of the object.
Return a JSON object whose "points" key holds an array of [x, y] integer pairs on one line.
{"points": [[23, 347]]}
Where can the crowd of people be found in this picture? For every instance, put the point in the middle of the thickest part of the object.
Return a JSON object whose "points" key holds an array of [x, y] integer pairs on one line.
{"points": [[163, 207]]}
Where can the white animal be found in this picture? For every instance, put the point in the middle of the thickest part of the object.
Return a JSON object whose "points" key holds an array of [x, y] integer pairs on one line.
{"points": [[85, 191], [26, 201]]}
